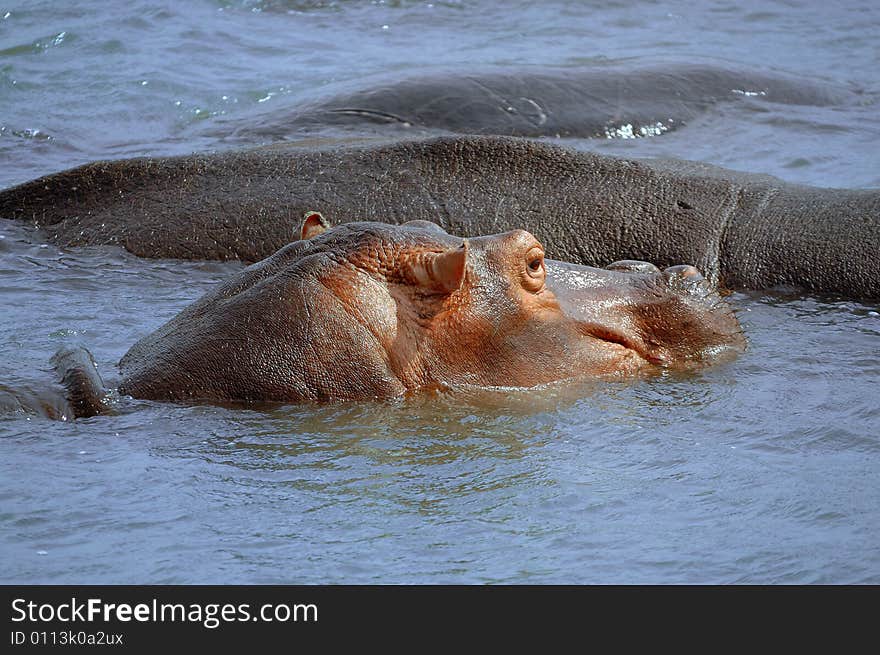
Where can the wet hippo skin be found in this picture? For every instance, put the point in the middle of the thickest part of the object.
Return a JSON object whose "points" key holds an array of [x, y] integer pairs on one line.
{"points": [[614, 99], [741, 230], [369, 310]]}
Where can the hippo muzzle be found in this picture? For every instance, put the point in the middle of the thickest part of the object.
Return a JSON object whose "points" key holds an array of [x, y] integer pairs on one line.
{"points": [[674, 315]]}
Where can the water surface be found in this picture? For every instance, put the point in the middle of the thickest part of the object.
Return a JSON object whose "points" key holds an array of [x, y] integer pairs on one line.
{"points": [[766, 469]]}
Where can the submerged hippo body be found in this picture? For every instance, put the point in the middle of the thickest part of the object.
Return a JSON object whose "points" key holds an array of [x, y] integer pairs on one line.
{"points": [[601, 101], [369, 310], [745, 231]]}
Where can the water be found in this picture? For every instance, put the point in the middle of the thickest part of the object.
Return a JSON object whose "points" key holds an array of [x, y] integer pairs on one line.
{"points": [[88, 80], [762, 470]]}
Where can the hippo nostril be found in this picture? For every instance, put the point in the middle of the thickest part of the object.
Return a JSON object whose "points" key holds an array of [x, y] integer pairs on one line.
{"points": [[685, 278], [684, 271]]}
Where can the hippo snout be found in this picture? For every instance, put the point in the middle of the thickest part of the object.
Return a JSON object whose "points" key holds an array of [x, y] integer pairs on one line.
{"points": [[673, 315], [687, 279], [683, 271]]}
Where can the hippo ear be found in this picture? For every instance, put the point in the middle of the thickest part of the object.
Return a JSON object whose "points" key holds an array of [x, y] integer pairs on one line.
{"points": [[313, 224], [440, 271]]}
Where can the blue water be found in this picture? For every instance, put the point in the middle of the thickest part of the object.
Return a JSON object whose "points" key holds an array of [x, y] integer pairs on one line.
{"points": [[766, 469]]}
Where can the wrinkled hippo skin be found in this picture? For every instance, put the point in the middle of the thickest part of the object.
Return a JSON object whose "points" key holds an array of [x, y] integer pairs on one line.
{"points": [[369, 310], [615, 99], [742, 231]]}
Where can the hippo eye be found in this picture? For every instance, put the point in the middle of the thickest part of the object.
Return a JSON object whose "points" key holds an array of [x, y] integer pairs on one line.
{"points": [[534, 273], [535, 263]]}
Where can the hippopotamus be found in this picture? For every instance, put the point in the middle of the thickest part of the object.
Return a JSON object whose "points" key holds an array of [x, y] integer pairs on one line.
{"points": [[615, 99], [741, 230], [368, 310]]}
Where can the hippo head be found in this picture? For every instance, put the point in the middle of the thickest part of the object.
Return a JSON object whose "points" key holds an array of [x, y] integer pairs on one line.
{"points": [[369, 310]]}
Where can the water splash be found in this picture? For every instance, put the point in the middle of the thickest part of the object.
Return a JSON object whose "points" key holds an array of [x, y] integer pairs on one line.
{"points": [[628, 131]]}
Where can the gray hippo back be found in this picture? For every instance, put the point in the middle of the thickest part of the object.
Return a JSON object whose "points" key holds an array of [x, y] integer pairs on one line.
{"points": [[744, 231], [612, 100]]}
